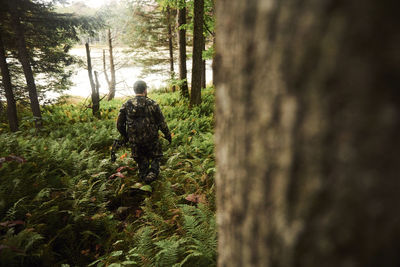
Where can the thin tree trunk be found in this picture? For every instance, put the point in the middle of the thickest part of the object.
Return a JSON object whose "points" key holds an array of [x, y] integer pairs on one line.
{"points": [[171, 47], [105, 68], [96, 101], [198, 39], [95, 92], [182, 49], [307, 134], [23, 57], [112, 84], [214, 63], [6, 80], [203, 69]]}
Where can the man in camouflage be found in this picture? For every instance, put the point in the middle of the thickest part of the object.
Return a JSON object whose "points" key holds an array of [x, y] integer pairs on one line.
{"points": [[138, 122]]}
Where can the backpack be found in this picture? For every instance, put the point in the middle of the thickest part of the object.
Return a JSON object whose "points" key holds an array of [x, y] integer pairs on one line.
{"points": [[142, 128]]}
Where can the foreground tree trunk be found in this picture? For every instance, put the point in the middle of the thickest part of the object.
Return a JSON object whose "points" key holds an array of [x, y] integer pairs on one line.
{"points": [[112, 82], [23, 57], [307, 135], [182, 48], [6, 81], [198, 39], [170, 46], [95, 91]]}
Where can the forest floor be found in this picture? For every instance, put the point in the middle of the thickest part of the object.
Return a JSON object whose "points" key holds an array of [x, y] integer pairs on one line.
{"points": [[64, 203]]}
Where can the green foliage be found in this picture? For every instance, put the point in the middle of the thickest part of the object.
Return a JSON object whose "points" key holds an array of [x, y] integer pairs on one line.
{"points": [[68, 204], [49, 36]]}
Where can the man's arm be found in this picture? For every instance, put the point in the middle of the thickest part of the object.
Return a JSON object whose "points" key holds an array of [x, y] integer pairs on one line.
{"points": [[162, 124], [121, 122]]}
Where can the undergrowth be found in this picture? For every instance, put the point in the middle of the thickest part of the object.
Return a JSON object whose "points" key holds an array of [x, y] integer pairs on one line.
{"points": [[63, 203]]}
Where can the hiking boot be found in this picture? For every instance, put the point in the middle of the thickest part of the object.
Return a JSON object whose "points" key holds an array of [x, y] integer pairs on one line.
{"points": [[151, 176]]}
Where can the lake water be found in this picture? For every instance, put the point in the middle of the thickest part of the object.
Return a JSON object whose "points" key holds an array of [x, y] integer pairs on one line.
{"points": [[126, 74]]}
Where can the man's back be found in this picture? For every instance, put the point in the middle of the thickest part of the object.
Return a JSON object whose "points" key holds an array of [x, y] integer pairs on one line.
{"points": [[143, 119]]}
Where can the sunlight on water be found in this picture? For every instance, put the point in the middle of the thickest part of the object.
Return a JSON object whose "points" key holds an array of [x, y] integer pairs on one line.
{"points": [[126, 74]]}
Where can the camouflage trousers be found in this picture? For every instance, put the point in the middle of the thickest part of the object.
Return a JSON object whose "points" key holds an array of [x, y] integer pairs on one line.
{"points": [[148, 157]]}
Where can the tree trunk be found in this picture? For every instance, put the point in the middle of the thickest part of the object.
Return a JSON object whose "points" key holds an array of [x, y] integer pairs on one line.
{"points": [[105, 68], [23, 57], [6, 81], [198, 39], [171, 47], [182, 48], [96, 97], [307, 134], [95, 91], [203, 68], [112, 83]]}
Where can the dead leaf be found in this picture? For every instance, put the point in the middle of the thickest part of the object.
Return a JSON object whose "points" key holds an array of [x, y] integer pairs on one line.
{"points": [[196, 198], [120, 169], [118, 174], [11, 223]]}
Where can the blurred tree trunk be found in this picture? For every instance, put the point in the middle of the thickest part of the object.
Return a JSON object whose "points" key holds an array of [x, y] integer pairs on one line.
{"points": [[307, 134], [94, 86], [170, 16], [23, 57], [198, 39], [6, 82], [112, 84], [182, 48]]}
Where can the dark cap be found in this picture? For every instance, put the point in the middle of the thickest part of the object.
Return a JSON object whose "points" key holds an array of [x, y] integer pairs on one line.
{"points": [[139, 87]]}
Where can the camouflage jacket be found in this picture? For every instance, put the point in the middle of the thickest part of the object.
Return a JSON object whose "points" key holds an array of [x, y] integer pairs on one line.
{"points": [[140, 119]]}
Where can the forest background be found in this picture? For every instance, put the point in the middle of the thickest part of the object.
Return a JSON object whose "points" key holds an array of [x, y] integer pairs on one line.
{"points": [[62, 201]]}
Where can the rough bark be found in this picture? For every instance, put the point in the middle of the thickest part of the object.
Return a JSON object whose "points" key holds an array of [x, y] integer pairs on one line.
{"points": [[95, 91], [198, 39], [111, 85], [23, 57], [6, 81], [307, 133], [171, 46], [182, 49]]}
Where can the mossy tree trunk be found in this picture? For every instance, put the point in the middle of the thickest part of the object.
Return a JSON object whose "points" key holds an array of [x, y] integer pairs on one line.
{"points": [[307, 133]]}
